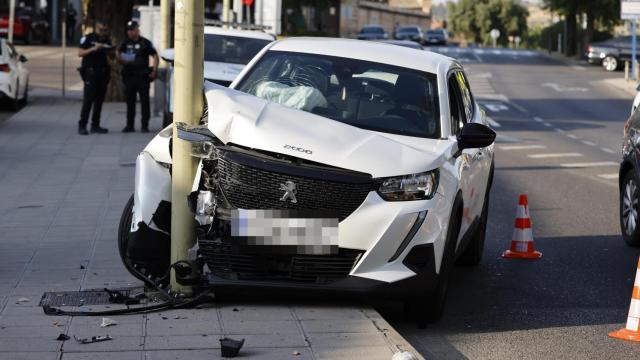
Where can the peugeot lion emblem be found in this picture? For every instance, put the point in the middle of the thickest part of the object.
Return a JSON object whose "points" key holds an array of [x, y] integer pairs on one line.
{"points": [[290, 191]]}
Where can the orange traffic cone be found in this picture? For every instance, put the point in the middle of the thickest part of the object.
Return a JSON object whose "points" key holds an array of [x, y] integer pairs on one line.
{"points": [[632, 330], [522, 244]]}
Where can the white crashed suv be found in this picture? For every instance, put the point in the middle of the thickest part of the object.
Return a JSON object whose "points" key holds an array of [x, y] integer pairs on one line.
{"points": [[328, 165]]}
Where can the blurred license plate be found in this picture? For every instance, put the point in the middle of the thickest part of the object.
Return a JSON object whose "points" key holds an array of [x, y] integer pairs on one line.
{"points": [[286, 231]]}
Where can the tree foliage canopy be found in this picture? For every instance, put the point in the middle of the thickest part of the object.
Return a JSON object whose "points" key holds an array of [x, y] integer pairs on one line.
{"points": [[476, 18]]}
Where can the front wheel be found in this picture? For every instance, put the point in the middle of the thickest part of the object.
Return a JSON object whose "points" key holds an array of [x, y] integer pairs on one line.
{"points": [[429, 308], [610, 63], [629, 209]]}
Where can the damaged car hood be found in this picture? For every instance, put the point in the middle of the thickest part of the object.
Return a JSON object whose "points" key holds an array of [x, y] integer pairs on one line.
{"points": [[242, 119]]}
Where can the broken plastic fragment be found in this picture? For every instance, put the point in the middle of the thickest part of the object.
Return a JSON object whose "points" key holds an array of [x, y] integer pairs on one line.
{"points": [[63, 337], [108, 322], [23, 300], [230, 347], [94, 339], [296, 353]]}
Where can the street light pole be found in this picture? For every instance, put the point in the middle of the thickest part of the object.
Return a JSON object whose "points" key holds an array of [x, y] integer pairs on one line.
{"points": [[12, 19], [188, 71]]}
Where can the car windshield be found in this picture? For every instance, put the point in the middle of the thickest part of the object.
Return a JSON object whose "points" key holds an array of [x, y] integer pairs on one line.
{"points": [[360, 93], [231, 49], [372, 30], [434, 33]]}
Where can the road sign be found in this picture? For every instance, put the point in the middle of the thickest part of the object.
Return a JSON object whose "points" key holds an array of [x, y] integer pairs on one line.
{"points": [[495, 33], [629, 9]]}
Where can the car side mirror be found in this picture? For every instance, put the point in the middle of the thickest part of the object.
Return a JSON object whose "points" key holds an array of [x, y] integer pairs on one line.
{"points": [[23, 59], [474, 136]]}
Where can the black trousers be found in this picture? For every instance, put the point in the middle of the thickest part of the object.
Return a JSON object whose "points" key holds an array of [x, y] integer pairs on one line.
{"points": [[137, 84], [96, 81]]}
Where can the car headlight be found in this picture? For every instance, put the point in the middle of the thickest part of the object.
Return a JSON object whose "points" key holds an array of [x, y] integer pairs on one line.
{"points": [[409, 187]]}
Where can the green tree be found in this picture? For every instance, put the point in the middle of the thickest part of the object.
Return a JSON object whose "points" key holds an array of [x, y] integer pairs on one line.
{"points": [[476, 18]]}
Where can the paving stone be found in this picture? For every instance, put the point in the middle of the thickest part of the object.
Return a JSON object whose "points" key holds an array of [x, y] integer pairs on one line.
{"points": [[369, 353], [262, 327], [20, 332], [183, 342], [171, 326], [255, 312], [322, 340], [271, 340], [113, 355], [323, 312], [31, 320], [333, 326], [28, 344], [119, 343], [49, 355], [118, 330]]}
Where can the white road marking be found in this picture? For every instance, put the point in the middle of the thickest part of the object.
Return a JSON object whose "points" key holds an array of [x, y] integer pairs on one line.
{"points": [[496, 107], [578, 67], [507, 139], [518, 107], [560, 131], [572, 136], [590, 164], [537, 119], [493, 123], [589, 143], [522, 147], [547, 124], [607, 150], [557, 155], [609, 176], [560, 88]]}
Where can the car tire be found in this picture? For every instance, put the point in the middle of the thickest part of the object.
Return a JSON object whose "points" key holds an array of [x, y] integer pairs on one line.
{"points": [[124, 230], [610, 63], [25, 98], [472, 255], [15, 102], [429, 308], [629, 198]]}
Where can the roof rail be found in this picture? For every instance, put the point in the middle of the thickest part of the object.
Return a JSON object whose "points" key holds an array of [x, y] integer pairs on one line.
{"points": [[236, 25]]}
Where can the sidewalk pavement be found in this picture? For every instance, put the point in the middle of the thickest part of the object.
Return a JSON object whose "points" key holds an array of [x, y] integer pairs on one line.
{"points": [[61, 197]]}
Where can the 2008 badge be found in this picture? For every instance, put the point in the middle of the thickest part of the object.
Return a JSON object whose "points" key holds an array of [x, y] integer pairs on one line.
{"points": [[294, 148]]}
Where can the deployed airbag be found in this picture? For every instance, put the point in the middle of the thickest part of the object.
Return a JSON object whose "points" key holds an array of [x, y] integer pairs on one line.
{"points": [[297, 97]]}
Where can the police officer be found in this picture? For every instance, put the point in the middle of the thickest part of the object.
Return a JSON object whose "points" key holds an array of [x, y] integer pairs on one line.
{"points": [[95, 72], [134, 54]]}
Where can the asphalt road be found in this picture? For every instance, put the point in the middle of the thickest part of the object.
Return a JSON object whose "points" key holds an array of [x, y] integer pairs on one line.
{"points": [[562, 306]]}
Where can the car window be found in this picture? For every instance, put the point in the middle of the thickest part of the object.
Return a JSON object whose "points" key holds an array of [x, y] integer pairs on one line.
{"points": [[368, 95], [372, 30], [231, 49], [465, 91], [456, 107]]}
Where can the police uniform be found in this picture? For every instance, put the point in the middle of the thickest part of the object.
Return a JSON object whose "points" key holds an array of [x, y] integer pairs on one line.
{"points": [[95, 74], [136, 77]]}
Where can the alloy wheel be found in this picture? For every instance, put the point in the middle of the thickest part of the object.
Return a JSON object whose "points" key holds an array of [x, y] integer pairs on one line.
{"points": [[630, 207], [610, 63]]}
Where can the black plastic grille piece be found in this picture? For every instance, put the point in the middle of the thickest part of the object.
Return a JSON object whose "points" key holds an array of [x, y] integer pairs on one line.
{"points": [[228, 262], [254, 183], [85, 297]]}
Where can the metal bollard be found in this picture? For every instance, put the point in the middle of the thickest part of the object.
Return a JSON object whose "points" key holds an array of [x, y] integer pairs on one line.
{"points": [[626, 71]]}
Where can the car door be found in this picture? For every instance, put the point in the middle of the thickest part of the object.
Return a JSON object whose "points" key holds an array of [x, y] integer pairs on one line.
{"points": [[467, 163], [21, 71], [481, 158], [13, 71]]}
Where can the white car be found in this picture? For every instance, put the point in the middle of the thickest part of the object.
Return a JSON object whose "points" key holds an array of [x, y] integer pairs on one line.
{"points": [[328, 165], [14, 76], [226, 52], [636, 101]]}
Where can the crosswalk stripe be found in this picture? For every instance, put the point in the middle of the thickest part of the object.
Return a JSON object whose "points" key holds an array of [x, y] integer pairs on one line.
{"points": [[493, 123], [556, 155], [609, 176], [522, 147], [589, 143], [607, 150], [537, 119], [571, 136], [590, 164]]}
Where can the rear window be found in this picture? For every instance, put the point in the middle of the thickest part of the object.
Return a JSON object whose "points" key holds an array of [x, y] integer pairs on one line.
{"points": [[435, 32], [231, 49], [408, 29], [360, 93]]}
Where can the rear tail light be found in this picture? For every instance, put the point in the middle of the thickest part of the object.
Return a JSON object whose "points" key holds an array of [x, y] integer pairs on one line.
{"points": [[589, 48], [4, 68]]}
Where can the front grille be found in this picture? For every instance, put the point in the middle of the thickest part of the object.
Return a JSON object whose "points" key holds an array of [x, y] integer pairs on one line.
{"points": [[228, 262], [251, 182]]}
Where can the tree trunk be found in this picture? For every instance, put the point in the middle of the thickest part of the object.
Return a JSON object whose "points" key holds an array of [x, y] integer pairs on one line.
{"points": [[115, 13], [591, 25], [572, 26]]}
